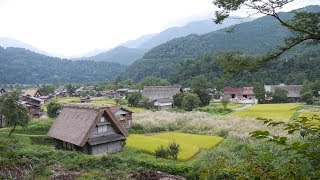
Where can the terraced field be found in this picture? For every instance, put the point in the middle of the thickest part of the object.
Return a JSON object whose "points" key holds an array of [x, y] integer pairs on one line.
{"points": [[270, 111], [190, 144]]}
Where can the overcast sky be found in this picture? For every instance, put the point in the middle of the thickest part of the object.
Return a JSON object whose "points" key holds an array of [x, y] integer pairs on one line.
{"points": [[74, 27]]}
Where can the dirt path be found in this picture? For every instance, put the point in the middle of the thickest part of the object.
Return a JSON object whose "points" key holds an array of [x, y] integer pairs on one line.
{"points": [[243, 107]]}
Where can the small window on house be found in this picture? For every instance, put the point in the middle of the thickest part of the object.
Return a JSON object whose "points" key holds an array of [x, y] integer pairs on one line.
{"points": [[103, 119], [102, 129]]}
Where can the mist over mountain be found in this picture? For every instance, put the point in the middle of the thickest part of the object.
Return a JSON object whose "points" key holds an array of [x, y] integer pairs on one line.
{"points": [[10, 42], [194, 27]]}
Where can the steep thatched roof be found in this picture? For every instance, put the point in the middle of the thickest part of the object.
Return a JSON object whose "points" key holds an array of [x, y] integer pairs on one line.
{"points": [[160, 92], [76, 122], [293, 90], [31, 92], [114, 109], [60, 89]]}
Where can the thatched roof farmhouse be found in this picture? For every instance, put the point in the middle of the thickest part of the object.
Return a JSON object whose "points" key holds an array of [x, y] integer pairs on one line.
{"points": [[89, 129]]}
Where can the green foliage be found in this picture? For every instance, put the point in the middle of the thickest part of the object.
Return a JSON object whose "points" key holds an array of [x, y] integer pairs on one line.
{"points": [[190, 101], [14, 112], [307, 127], [177, 99], [47, 89], [45, 69], [259, 91], [153, 81], [225, 101], [280, 95], [174, 150], [146, 103], [134, 98], [53, 108], [307, 97], [161, 152]]}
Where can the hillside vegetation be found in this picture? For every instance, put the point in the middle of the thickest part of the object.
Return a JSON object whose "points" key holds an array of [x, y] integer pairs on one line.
{"points": [[22, 66], [249, 38]]}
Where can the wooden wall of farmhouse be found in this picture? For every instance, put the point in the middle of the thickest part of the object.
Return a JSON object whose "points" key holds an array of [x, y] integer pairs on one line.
{"points": [[110, 147]]}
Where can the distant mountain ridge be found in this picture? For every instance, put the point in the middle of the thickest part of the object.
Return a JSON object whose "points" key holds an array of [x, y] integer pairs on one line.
{"points": [[10, 42], [194, 27], [18, 65], [133, 50], [255, 37], [122, 55]]}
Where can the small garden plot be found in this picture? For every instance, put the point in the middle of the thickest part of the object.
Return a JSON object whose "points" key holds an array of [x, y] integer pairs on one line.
{"points": [[270, 111], [190, 144]]}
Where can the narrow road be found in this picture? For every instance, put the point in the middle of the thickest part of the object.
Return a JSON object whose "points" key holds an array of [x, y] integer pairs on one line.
{"points": [[243, 107]]}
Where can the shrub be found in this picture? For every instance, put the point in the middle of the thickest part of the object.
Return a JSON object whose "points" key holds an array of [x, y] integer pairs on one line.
{"points": [[137, 129], [53, 108], [174, 150], [162, 152], [190, 101]]}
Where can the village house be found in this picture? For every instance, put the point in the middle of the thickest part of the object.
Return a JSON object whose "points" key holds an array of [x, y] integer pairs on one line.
{"points": [[162, 96], [110, 94], [123, 115], [61, 91], [34, 107], [239, 93], [2, 91], [46, 98], [293, 90], [122, 92], [85, 99], [32, 92], [89, 129]]}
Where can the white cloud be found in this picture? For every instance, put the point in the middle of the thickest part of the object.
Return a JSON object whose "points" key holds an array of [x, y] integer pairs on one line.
{"points": [[73, 27]]}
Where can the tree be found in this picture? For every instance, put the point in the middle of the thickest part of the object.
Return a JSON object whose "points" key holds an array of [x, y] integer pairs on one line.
{"points": [[177, 99], [307, 97], [15, 113], [153, 81], [146, 103], [259, 91], [225, 101], [200, 85], [190, 101], [71, 89], [134, 98], [303, 25], [52, 109], [47, 89], [280, 95]]}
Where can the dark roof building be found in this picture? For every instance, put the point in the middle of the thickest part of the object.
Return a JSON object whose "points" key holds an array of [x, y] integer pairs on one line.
{"points": [[32, 92], [61, 91], [87, 128]]}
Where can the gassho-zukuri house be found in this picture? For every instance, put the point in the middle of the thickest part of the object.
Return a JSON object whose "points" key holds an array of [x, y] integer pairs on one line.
{"points": [[89, 129], [162, 96]]}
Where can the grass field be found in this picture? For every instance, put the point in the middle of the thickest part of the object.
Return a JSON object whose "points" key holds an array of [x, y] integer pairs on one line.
{"points": [[190, 144], [270, 111]]}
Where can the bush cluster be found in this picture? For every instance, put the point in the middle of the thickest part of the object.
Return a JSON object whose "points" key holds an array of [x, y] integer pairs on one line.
{"points": [[172, 151]]}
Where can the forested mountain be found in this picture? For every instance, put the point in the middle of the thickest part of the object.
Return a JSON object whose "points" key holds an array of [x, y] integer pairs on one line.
{"points": [[9, 42], [22, 66], [121, 55], [195, 27], [290, 70], [256, 37]]}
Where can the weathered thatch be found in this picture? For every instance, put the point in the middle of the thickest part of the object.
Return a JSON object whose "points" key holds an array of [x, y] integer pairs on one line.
{"points": [[32, 92], [293, 90], [76, 122], [160, 92]]}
